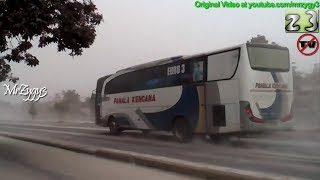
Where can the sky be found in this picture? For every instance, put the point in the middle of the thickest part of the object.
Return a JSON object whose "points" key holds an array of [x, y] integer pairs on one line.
{"points": [[135, 32]]}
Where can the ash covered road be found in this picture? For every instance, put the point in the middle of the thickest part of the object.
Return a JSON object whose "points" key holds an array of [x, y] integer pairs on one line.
{"points": [[29, 161], [294, 154]]}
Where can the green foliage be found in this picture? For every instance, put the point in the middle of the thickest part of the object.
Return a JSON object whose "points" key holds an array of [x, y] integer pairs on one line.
{"points": [[68, 23]]}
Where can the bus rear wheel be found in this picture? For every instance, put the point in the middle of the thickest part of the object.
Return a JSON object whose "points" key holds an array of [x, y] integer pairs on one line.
{"points": [[113, 126], [181, 130]]}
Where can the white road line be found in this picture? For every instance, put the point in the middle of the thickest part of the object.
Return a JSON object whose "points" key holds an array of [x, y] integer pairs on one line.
{"points": [[55, 131], [61, 127], [116, 138], [195, 154], [302, 144]]}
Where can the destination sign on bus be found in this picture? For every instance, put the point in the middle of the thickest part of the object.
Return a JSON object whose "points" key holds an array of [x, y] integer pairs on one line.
{"points": [[272, 85], [178, 69], [134, 99]]}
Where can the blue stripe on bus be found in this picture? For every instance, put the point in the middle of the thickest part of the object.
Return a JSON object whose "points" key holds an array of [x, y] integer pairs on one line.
{"points": [[187, 106], [274, 110]]}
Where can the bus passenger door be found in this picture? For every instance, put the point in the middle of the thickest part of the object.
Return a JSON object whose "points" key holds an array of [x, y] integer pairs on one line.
{"points": [[222, 106]]}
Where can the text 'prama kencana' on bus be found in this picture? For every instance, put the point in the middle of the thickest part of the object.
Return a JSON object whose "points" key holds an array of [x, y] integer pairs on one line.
{"points": [[260, 4]]}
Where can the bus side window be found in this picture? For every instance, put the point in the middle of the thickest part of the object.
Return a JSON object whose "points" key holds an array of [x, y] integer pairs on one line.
{"points": [[106, 89], [197, 71], [222, 65]]}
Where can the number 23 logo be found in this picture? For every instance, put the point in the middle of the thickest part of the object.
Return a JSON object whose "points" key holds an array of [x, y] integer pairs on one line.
{"points": [[294, 18]]}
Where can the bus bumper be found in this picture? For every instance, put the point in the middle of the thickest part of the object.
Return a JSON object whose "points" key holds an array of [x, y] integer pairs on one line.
{"points": [[268, 125]]}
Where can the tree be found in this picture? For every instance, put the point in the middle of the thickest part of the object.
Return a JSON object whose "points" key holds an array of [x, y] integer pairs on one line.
{"points": [[60, 108], [89, 104], [71, 97], [68, 23], [32, 110], [258, 39], [69, 103], [261, 39]]}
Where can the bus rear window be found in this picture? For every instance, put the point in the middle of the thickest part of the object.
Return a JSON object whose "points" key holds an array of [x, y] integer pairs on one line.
{"points": [[269, 58]]}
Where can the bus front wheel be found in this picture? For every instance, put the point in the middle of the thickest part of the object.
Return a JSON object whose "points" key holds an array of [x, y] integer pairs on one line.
{"points": [[181, 130], [113, 126]]}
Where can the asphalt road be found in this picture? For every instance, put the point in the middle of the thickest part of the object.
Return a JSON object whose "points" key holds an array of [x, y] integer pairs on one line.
{"points": [[294, 154], [23, 160]]}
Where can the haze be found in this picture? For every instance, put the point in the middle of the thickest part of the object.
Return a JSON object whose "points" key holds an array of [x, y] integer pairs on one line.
{"points": [[137, 32]]}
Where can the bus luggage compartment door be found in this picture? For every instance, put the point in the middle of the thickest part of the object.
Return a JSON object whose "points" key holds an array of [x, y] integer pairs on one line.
{"points": [[222, 106]]}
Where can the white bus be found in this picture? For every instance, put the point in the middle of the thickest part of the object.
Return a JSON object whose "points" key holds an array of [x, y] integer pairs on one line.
{"points": [[242, 88]]}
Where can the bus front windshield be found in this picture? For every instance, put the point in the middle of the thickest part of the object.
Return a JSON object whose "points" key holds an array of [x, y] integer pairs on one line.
{"points": [[269, 58]]}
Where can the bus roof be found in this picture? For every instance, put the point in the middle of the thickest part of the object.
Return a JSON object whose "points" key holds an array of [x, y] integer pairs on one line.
{"points": [[186, 57], [172, 59], [153, 63], [100, 83]]}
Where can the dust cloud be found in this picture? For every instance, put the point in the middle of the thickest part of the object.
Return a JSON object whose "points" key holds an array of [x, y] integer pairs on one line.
{"points": [[44, 111]]}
